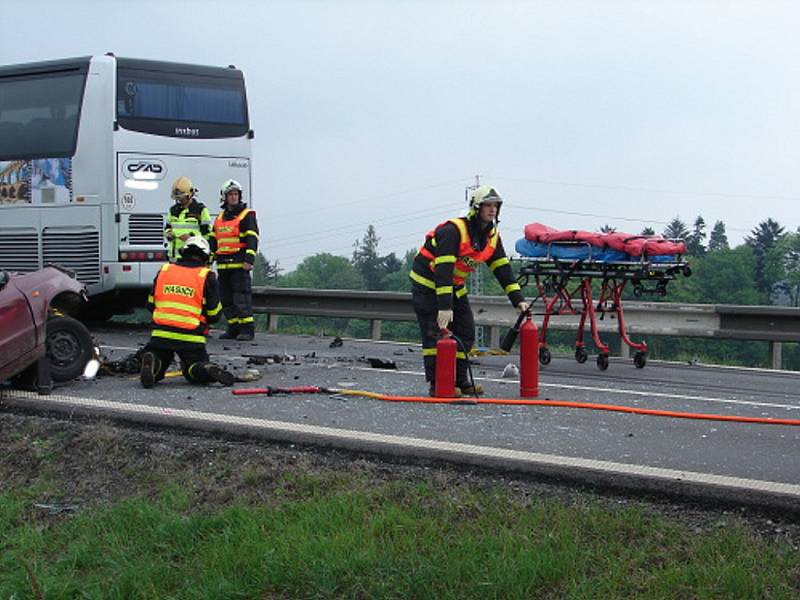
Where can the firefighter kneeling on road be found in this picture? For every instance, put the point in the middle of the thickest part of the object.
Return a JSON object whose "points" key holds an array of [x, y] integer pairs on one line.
{"points": [[449, 254], [184, 300], [234, 243]]}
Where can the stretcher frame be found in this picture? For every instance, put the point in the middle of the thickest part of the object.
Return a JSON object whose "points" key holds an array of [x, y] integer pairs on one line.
{"points": [[565, 287]]}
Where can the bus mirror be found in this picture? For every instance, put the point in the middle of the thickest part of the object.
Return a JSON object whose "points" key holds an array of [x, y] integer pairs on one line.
{"points": [[251, 134]]}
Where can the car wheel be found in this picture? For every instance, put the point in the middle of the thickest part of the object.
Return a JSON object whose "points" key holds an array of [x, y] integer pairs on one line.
{"points": [[69, 347]]}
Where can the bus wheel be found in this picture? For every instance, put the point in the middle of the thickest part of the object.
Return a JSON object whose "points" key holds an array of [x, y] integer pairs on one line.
{"points": [[69, 347]]}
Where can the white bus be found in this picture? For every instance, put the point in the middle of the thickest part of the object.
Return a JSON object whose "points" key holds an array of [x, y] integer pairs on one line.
{"points": [[89, 148]]}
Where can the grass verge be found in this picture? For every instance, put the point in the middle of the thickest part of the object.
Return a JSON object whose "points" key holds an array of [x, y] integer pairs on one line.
{"points": [[191, 517]]}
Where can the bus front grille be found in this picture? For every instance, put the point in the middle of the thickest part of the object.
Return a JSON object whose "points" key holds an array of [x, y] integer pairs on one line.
{"points": [[146, 230], [19, 250], [74, 248]]}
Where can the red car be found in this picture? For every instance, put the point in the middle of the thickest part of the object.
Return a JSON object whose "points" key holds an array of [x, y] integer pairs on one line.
{"points": [[36, 321]]}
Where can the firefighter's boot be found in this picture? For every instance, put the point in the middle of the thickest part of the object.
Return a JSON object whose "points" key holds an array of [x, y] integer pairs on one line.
{"points": [[246, 334], [432, 392], [147, 373], [470, 390], [230, 333], [217, 373]]}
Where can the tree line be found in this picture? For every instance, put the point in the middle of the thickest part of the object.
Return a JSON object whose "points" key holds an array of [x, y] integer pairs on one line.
{"points": [[764, 270]]}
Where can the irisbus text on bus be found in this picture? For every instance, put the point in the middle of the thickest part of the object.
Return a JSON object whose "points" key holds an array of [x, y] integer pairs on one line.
{"points": [[89, 148]]}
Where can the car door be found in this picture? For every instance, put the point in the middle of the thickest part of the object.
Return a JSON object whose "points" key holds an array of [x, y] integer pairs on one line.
{"points": [[17, 330]]}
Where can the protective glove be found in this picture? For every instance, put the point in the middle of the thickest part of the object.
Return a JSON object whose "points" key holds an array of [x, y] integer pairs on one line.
{"points": [[443, 318], [523, 306]]}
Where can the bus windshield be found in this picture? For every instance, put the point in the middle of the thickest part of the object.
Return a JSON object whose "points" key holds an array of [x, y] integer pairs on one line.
{"points": [[39, 115], [181, 104]]}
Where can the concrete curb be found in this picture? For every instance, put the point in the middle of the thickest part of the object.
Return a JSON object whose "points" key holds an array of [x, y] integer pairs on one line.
{"points": [[621, 476]]}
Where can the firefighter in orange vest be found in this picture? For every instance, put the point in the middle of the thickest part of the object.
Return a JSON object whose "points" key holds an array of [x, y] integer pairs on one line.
{"points": [[184, 300], [449, 254], [234, 242]]}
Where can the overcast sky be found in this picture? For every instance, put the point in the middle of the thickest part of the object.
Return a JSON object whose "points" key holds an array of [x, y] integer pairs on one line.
{"points": [[580, 113]]}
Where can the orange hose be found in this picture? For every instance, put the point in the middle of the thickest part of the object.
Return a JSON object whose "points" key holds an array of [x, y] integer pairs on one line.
{"points": [[568, 404]]}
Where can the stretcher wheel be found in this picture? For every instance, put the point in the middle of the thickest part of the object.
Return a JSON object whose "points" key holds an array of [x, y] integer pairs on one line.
{"points": [[544, 356], [602, 361], [581, 354], [638, 291], [640, 360], [687, 271]]}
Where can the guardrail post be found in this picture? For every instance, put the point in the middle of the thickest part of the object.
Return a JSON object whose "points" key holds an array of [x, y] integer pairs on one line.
{"points": [[375, 329], [776, 355], [272, 322], [494, 337]]}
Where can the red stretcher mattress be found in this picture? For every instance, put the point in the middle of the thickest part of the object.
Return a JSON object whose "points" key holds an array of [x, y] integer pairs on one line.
{"points": [[631, 244]]}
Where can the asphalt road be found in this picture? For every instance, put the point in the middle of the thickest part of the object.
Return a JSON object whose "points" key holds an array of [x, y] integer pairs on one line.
{"points": [[761, 456]]}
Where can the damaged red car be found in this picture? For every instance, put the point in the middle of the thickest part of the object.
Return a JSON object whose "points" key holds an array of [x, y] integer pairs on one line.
{"points": [[39, 334]]}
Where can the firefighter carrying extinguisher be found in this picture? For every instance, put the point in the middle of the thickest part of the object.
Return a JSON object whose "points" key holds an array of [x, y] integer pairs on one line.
{"points": [[449, 254], [234, 242]]}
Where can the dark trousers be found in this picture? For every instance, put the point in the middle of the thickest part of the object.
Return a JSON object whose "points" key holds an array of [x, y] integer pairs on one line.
{"points": [[463, 327], [193, 362], [236, 294]]}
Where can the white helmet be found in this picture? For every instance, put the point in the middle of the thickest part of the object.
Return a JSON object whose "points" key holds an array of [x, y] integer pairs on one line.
{"points": [[484, 193], [230, 186], [197, 243]]}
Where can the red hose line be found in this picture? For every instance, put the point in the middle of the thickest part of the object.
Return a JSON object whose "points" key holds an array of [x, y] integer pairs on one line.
{"points": [[523, 402], [610, 407]]}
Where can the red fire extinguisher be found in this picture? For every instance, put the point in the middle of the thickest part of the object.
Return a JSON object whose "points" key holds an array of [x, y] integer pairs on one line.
{"points": [[528, 359], [445, 384]]}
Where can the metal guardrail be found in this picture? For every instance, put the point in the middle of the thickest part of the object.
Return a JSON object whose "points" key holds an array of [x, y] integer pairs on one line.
{"points": [[774, 324]]}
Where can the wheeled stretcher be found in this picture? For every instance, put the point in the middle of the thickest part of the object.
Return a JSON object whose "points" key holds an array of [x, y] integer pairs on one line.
{"points": [[564, 264]]}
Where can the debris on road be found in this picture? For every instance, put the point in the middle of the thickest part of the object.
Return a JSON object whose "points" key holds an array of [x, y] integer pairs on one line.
{"points": [[248, 375], [487, 352], [380, 363], [127, 365], [269, 359]]}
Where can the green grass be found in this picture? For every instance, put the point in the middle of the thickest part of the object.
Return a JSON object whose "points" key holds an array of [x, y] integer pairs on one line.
{"points": [[343, 537]]}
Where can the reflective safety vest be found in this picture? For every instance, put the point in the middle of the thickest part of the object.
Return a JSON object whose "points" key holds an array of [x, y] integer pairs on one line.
{"points": [[227, 233], [185, 222], [178, 300], [468, 258]]}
